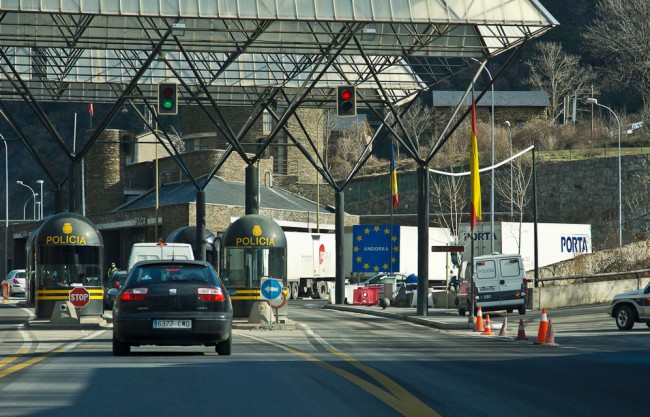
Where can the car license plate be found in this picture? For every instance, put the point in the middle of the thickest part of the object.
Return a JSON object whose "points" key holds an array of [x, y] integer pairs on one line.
{"points": [[172, 324]]}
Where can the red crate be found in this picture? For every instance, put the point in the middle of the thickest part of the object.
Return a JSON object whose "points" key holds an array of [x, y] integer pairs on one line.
{"points": [[368, 296]]}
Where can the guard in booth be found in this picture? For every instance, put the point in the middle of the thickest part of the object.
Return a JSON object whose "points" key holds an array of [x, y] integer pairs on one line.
{"points": [[66, 252], [253, 248]]}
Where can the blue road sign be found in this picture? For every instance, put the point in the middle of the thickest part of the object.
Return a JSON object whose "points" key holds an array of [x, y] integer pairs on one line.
{"points": [[375, 248], [271, 289]]}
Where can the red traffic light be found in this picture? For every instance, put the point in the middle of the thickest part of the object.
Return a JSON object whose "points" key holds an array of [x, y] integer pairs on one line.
{"points": [[167, 92], [346, 102], [167, 99]]}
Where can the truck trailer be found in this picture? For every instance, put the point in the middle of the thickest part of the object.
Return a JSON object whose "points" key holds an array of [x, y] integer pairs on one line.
{"points": [[556, 242]]}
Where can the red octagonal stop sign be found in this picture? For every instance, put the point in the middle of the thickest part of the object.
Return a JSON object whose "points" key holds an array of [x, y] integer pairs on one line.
{"points": [[79, 297]]}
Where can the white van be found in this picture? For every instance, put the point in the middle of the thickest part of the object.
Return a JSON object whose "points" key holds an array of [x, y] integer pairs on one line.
{"points": [[154, 251], [500, 284]]}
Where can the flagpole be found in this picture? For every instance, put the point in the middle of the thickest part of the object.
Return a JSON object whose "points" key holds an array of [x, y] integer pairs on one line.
{"points": [[392, 206]]}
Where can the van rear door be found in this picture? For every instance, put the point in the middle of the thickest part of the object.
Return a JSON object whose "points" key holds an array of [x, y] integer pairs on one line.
{"points": [[511, 279], [487, 282]]}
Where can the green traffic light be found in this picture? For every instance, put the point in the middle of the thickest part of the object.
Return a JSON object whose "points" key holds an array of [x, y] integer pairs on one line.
{"points": [[167, 103]]}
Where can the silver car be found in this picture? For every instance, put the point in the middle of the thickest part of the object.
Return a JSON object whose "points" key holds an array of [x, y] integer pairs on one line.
{"points": [[16, 279]]}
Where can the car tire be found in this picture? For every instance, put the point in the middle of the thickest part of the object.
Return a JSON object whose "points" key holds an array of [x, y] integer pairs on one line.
{"points": [[120, 348], [509, 310], [294, 290], [521, 310], [624, 317], [461, 311], [224, 348]]}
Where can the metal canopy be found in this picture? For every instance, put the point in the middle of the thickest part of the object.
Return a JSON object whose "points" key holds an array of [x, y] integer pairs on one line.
{"points": [[239, 50]]}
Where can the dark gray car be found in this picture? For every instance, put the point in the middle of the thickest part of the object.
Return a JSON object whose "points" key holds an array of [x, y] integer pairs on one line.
{"points": [[169, 303]]}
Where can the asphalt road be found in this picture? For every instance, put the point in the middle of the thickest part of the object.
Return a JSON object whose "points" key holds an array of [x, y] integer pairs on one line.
{"points": [[335, 364]]}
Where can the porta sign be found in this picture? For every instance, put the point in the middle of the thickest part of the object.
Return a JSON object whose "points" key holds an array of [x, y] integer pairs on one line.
{"points": [[79, 297]]}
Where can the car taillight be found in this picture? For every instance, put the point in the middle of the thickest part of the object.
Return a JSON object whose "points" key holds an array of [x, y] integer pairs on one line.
{"points": [[16, 281], [134, 294], [210, 294]]}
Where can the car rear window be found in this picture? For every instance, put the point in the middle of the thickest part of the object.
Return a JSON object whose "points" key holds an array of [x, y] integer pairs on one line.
{"points": [[169, 273], [21, 275]]}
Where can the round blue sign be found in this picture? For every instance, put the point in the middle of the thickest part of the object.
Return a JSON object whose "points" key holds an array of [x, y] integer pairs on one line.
{"points": [[271, 289]]}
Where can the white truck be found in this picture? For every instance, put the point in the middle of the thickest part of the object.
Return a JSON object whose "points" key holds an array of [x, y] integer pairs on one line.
{"points": [[152, 251], [311, 264], [557, 242]]}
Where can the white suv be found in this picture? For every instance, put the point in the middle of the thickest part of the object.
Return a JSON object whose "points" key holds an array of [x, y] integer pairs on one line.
{"points": [[631, 307]]}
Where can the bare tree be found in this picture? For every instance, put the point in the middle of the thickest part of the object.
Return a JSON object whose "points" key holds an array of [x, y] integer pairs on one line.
{"points": [[518, 196], [418, 124], [620, 37], [558, 73], [346, 148]]}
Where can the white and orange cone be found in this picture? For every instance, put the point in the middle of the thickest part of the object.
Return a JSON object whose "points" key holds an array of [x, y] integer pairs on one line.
{"points": [[543, 328], [550, 336], [488, 328], [478, 327], [521, 333]]}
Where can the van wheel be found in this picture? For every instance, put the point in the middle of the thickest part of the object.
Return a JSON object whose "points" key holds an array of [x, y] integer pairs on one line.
{"points": [[508, 310], [461, 311], [521, 310]]}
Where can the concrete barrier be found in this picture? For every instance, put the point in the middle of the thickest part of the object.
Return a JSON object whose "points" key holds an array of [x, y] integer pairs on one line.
{"points": [[64, 313]]}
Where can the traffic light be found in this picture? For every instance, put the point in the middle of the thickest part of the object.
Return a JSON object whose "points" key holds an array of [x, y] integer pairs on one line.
{"points": [[346, 101], [167, 99]]}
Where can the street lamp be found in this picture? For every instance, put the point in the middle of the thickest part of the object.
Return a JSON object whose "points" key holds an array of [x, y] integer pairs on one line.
{"points": [[25, 206], [592, 100], [42, 209], [6, 206], [19, 182], [492, 164], [511, 198]]}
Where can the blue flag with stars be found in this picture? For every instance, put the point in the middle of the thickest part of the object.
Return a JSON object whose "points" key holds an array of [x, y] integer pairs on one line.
{"points": [[375, 248]]}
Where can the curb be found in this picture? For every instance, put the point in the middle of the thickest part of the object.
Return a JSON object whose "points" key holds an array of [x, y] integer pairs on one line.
{"points": [[423, 321]]}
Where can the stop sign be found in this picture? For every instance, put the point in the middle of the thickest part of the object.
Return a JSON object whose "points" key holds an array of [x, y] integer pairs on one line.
{"points": [[79, 297]]}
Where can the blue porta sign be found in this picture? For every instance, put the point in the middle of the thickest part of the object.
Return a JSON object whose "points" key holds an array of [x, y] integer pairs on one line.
{"points": [[270, 289], [375, 248]]}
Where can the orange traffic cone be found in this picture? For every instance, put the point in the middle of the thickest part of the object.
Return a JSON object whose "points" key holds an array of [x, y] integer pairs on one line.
{"points": [[521, 333], [550, 336], [478, 327], [504, 328], [543, 328], [488, 328]]}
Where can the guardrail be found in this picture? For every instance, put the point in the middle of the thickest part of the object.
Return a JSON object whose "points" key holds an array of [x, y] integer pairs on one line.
{"points": [[588, 277]]}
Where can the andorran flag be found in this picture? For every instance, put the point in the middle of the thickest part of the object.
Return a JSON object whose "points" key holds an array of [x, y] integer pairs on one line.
{"points": [[393, 178], [475, 181]]}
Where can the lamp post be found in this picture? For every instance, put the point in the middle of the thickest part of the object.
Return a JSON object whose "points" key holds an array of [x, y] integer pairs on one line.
{"points": [[6, 206], [42, 210], [25, 205], [592, 100], [19, 182], [511, 195], [492, 160]]}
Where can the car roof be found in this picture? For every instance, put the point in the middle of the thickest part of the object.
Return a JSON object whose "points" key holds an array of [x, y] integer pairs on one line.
{"points": [[163, 262]]}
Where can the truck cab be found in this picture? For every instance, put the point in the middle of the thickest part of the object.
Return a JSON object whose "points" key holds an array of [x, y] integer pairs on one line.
{"points": [[499, 284]]}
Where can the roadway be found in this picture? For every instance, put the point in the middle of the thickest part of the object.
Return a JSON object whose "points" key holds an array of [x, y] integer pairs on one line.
{"points": [[333, 363]]}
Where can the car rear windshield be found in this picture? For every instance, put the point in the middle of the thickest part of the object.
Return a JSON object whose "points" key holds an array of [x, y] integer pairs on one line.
{"points": [[21, 275], [169, 273]]}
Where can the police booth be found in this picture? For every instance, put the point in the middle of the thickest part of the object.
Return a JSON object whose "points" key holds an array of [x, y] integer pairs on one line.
{"points": [[66, 252], [253, 248]]}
